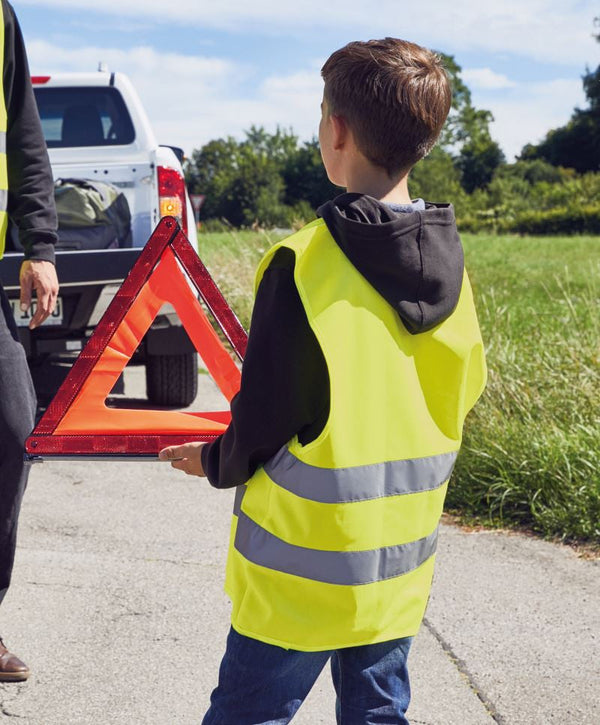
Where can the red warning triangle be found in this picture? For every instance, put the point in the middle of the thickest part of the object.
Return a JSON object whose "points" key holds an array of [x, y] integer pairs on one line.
{"points": [[79, 423]]}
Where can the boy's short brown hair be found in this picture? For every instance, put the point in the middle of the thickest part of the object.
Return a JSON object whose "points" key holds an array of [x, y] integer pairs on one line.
{"points": [[394, 96]]}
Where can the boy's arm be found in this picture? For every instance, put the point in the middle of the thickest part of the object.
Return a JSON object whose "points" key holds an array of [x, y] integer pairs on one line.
{"points": [[285, 384]]}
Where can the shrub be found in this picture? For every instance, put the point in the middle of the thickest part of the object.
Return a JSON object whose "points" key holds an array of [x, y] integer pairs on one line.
{"points": [[545, 222], [574, 220]]}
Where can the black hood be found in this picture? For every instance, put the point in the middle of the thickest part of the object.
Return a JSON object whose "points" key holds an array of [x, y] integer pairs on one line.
{"points": [[413, 259]]}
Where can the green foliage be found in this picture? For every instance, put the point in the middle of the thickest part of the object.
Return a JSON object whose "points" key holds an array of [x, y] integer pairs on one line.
{"points": [[436, 178], [577, 144], [581, 220], [266, 180], [478, 160], [533, 171], [459, 123], [241, 180], [305, 178], [534, 197], [549, 222], [466, 135]]}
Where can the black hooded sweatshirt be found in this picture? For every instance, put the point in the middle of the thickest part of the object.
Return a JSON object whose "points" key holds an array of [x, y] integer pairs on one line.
{"points": [[413, 259]]}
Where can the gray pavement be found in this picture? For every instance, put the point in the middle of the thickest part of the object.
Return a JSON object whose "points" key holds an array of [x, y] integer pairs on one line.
{"points": [[117, 605]]}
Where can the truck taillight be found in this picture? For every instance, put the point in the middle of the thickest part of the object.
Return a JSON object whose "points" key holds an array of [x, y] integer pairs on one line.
{"points": [[38, 80], [171, 195]]}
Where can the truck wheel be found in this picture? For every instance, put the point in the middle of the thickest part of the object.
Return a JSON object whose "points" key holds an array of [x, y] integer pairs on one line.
{"points": [[172, 379]]}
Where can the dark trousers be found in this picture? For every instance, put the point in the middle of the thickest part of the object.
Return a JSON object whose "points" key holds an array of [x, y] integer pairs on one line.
{"points": [[17, 414]]}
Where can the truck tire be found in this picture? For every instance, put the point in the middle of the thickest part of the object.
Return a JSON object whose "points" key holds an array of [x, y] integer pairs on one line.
{"points": [[172, 380]]}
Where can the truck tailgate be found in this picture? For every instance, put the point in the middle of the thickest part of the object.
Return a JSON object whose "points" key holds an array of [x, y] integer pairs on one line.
{"points": [[83, 276], [135, 178], [91, 267]]}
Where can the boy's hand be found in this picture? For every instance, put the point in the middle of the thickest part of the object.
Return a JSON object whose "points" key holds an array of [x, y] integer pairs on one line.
{"points": [[184, 458]]}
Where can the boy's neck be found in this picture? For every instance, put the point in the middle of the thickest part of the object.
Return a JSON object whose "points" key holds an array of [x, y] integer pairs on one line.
{"points": [[375, 182]]}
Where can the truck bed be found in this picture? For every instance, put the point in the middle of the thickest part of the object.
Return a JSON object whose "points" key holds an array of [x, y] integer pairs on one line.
{"points": [[83, 275]]}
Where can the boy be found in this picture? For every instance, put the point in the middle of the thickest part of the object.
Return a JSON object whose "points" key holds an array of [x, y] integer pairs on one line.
{"points": [[363, 359]]}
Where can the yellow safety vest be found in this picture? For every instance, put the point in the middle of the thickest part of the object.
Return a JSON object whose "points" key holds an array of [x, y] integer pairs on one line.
{"points": [[3, 164], [333, 543]]}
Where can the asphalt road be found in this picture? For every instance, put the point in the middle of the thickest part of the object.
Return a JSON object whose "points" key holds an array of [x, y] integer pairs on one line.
{"points": [[117, 606]]}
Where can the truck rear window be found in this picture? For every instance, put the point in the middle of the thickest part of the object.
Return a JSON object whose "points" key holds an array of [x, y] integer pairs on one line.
{"points": [[93, 116]]}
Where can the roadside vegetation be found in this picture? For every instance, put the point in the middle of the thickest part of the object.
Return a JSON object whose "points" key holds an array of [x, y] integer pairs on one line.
{"points": [[531, 452]]}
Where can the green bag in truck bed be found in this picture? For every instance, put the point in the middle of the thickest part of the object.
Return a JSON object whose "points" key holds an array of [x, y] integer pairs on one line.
{"points": [[91, 215]]}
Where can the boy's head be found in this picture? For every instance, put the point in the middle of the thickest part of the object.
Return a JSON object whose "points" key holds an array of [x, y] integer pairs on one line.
{"points": [[392, 95]]}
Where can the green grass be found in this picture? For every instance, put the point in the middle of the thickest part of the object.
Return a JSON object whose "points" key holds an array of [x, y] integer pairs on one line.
{"points": [[530, 456], [531, 449], [232, 258]]}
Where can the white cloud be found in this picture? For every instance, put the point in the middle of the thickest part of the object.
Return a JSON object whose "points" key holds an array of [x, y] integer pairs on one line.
{"points": [[142, 59], [486, 79], [530, 111], [191, 99], [549, 30]]}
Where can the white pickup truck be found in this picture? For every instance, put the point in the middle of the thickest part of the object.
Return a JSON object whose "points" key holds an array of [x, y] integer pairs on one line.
{"points": [[96, 128]]}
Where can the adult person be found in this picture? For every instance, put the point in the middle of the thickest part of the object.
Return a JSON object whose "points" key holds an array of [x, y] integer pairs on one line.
{"points": [[27, 199]]}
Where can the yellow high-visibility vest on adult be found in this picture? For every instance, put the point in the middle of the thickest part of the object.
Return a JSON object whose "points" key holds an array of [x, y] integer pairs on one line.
{"points": [[333, 543], [3, 164]]}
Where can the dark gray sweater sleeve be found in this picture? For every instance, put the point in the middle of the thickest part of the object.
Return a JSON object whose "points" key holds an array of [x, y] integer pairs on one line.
{"points": [[285, 384], [31, 188]]}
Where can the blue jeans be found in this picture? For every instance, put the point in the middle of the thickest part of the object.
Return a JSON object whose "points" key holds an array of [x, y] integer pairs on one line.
{"points": [[261, 683]]}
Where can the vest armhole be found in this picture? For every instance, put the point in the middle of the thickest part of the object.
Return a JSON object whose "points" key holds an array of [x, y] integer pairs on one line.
{"points": [[284, 258]]}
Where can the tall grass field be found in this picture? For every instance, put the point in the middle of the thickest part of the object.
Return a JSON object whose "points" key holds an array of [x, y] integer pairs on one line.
{"points": [[531, 450]]}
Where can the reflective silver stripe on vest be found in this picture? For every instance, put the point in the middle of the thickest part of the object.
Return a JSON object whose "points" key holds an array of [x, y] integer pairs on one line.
{"points": [[2, 142], [237, 501], [359, 483], [331, 567], [3, 199]]}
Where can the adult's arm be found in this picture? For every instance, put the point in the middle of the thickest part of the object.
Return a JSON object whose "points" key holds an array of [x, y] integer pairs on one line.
{"points": [[31, 188]]}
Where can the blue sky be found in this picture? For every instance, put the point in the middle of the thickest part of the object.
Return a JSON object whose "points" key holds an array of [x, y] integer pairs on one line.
{"points": [[210, 69]]}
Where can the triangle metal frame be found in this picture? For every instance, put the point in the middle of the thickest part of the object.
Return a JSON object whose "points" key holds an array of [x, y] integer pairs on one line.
{"points": [[47, 442]]}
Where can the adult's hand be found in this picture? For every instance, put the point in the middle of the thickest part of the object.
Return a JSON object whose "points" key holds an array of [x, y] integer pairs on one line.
{"points": [[38, 275], [185, 457]]}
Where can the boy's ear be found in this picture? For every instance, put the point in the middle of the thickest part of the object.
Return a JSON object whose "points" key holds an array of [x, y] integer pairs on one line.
{"points": [[339, 129]]}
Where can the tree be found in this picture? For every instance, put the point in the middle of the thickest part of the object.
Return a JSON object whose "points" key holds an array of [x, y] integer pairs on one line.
{"points": [[459, 124], [577, 144], [305, 177], [466, 135], [242, 180], [267, 179], [478, 160], [436, 178]]}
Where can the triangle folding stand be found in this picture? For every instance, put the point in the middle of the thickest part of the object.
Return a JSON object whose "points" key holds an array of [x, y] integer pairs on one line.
{"points": [[78, 423]]}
